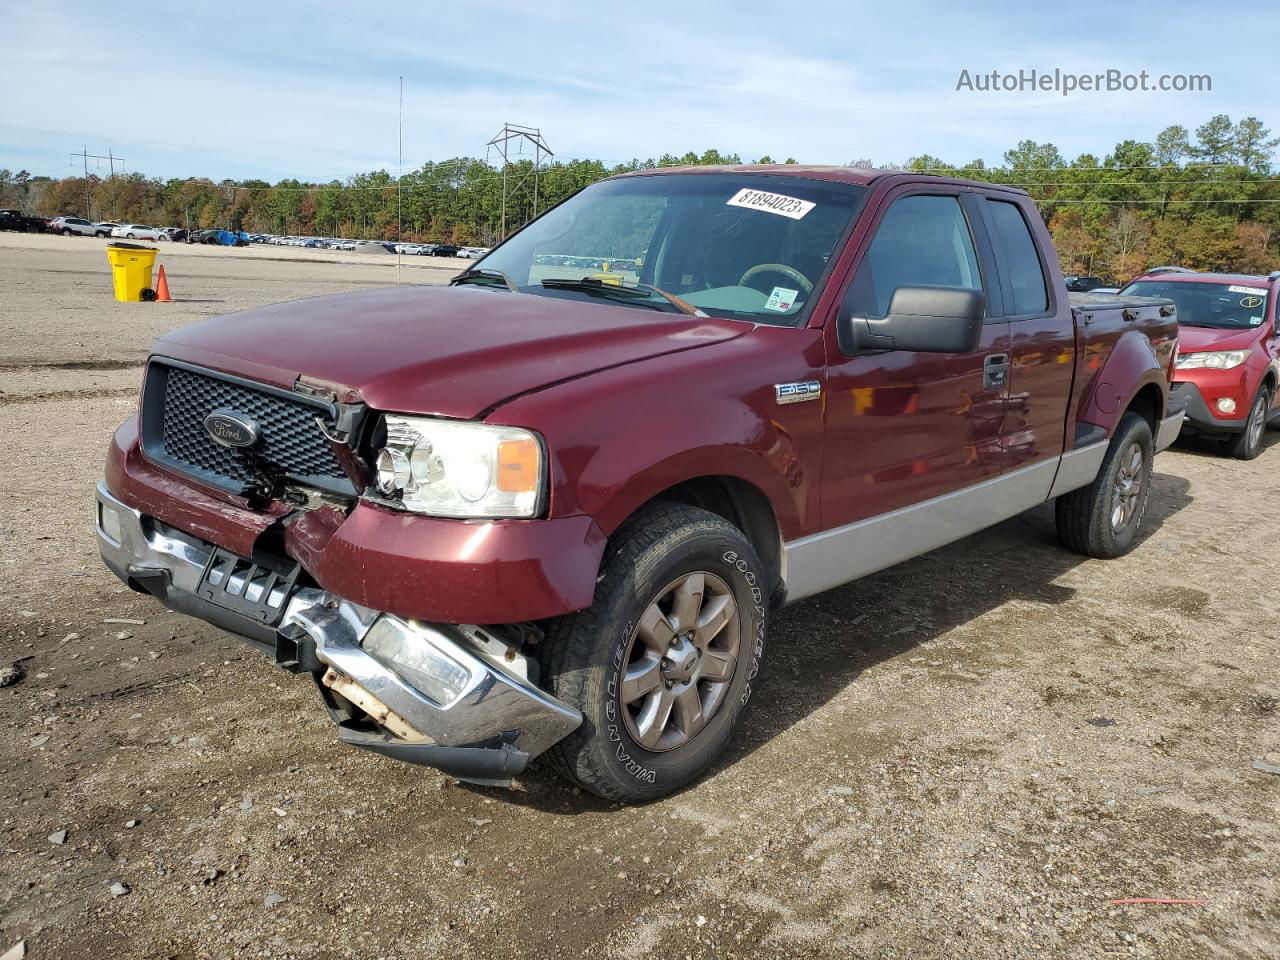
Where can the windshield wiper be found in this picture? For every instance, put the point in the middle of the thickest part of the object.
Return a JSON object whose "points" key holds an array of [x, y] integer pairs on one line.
{"points": [[636, 291], [485, 276]]}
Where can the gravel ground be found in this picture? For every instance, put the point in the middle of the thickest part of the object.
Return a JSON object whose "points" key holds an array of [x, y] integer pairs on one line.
{"points": [[971, 754]]}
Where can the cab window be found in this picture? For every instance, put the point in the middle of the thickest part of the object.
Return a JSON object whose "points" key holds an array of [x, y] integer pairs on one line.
{"points": [[922, 241]]}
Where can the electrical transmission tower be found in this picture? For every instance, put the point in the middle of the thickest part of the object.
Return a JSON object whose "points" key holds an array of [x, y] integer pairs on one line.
{"points": [[86, 156], [515, 133]]}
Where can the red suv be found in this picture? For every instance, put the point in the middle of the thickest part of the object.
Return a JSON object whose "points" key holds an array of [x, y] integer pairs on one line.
{"points": [[1228, 352]]}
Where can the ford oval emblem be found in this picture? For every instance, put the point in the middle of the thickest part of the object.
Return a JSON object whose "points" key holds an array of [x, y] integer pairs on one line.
{"points": [[231, 429]]}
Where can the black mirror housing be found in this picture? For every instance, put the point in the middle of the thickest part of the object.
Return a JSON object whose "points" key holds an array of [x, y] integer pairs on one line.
{"points": [[923, 319]]}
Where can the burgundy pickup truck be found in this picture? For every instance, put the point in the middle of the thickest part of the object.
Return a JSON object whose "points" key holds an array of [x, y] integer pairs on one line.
{"points": [[549, 508]]}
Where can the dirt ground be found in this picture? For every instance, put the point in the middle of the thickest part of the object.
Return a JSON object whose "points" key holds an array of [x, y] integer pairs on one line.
{"points": [[969, 755]]}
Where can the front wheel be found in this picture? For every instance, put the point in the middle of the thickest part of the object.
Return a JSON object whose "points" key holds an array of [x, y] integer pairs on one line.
{"points": [[661, 664], [1247, 444], [1102, 519]]}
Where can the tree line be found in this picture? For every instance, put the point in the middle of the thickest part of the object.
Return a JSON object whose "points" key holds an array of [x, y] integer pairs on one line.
{"points": [[1207, 201]]}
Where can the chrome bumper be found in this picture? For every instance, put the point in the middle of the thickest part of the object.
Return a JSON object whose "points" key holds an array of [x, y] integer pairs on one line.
{"points": [[1168, 430], [495, 708]]}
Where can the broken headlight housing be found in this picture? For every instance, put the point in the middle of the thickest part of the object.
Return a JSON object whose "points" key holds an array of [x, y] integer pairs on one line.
{"points": [[454, 468]]}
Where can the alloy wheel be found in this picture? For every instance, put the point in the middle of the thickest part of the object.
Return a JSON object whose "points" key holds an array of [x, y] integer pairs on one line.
{"points": [[1126, 493], [1257, 421], [680, 662]]}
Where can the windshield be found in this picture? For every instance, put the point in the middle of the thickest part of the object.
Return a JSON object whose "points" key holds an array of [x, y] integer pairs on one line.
{"points": [[748, 246], [1227, 306]]}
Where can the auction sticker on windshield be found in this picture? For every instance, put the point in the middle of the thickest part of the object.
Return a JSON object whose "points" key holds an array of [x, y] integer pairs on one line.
{"points": [[1256, 291], [778, 203], [781, 299]]}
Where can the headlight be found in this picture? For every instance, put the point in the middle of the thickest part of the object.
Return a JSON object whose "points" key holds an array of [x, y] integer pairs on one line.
{"points": [[1224, 360], [452, 468]]}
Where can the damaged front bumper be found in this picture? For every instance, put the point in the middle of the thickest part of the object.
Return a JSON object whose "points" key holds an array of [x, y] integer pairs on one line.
{"points": [[481, 717]]}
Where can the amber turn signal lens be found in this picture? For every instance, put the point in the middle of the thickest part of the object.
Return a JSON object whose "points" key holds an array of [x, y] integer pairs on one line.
{"points": [[519, 465]]}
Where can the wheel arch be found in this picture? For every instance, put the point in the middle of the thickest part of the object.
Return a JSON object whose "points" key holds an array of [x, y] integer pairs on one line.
{"points": [[1269, 379], [1131, 379], [742, 504], [1148, 403]]}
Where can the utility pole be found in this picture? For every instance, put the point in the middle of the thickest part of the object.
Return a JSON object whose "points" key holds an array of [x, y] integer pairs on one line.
{"points": [[399, 177], [514, 132], [86, 156]]}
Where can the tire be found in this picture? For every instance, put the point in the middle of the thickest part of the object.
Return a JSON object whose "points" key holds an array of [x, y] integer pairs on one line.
{"points": [[100, 234], [130, 236], [1247, 444], [66, 231], [1102, 520], [657, 559]]}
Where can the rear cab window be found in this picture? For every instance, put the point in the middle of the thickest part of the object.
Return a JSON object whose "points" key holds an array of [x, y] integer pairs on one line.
{"points": [[1026, 277]]}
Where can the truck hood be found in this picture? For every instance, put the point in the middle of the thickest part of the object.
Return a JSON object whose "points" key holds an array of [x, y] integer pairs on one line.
{"points": [[449, 351], [1196, 339]]}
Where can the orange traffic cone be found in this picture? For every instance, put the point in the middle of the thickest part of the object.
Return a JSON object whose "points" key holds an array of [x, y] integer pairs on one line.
{"points": [[162, 287]]}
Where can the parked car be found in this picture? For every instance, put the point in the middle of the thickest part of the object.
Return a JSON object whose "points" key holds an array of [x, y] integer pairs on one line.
{"points": [[1228, 352], [553, 516], [77, 226], [109, 225], [225, 238], [1078, 284], [19, 221], [444, 250], [136, 231]]}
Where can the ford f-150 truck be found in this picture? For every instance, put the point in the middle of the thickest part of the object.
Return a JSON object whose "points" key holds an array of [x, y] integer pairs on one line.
{"points": [[549, 508], [1228, 352]]}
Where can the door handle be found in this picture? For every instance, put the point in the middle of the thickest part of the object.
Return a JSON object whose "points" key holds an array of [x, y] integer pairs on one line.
{"points": [[995, 371]]}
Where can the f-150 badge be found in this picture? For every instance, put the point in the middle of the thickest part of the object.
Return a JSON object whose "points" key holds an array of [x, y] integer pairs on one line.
{"points": [[797, 392]]}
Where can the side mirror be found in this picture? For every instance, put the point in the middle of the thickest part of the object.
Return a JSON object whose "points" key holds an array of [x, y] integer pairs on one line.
{"points": [[924, 319]]}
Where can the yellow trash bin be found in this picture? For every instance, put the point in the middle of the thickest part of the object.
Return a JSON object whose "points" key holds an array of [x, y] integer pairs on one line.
{"points": [[130, 269]]}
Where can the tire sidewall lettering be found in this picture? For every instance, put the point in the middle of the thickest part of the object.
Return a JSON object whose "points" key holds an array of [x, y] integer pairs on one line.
{"points": [[621, 746]]}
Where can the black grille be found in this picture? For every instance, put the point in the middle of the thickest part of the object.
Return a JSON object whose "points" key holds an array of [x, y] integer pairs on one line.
{"points": [[174, 433]]}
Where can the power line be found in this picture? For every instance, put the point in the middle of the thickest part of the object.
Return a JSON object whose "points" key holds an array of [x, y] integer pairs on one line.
{"points": [[1152, 200]]}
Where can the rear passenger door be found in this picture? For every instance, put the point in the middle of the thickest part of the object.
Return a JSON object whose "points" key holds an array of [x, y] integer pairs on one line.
{"points": [[1041, 332]]}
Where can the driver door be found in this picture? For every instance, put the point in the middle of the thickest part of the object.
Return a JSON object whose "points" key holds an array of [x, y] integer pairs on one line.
{"points": [[905, 427]]}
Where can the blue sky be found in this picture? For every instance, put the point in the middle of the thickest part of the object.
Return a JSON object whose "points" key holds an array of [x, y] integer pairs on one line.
{"points": [[275, 89]]}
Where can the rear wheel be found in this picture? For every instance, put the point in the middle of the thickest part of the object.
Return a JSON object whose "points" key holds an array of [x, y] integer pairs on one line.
{"points": [[1247, 444], [100, 234], [1102, 519], [661, 664]]}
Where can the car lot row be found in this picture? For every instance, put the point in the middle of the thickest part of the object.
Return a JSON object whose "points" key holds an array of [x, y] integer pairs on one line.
{"points": [[79, 226]]}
